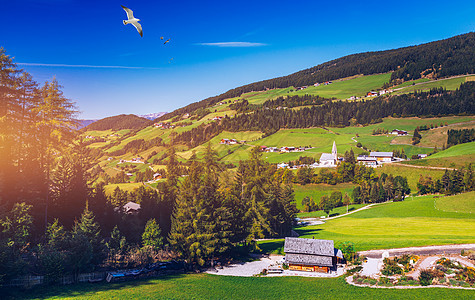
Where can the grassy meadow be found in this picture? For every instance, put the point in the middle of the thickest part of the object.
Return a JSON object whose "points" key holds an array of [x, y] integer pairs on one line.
{"points": [[413, 222], [449, 84], [340, 89], [412, 174], [205, 286], [458, 203], [316, 191], [454, 157]]}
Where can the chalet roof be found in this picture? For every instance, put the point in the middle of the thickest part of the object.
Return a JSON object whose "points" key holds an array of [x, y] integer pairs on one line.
{"points": [[381, 154], [308, 259], [327, 156], [131, 206], [309, 246]]}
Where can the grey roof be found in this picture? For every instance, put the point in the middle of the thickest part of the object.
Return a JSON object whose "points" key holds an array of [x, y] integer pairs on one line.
{"points": [[309, 259], [381, 154], [366, 158], [309, 246], [131, 206], [327, 156]]}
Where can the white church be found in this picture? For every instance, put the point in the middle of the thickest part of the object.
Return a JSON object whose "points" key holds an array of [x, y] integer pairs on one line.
{"points": [[329, 159]]}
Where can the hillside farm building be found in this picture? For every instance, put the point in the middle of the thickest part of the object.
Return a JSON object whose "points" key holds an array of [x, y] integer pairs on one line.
{"points": [[311, 255], [399, 132], [382, 156]]}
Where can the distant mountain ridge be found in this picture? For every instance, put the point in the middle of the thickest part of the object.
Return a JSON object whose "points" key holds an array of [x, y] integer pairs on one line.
{"points": [[153, 116]]}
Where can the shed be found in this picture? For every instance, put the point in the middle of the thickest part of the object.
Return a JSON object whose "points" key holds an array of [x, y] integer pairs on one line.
{"points": [[311, 254]]}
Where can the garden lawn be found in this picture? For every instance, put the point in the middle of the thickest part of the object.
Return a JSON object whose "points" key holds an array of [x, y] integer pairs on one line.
{"points": [[412, 222], [205, 286]]}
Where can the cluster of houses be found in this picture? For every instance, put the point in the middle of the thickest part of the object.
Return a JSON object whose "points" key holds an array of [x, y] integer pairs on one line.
{"points": [[327, 160], [230, 142], [324, 83], [163, 125], [137, 160], [284, 149], [377, 159]]}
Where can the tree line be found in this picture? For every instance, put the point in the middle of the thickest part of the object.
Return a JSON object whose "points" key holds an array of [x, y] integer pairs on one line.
{"points": [[455, 137], [452, 182]]}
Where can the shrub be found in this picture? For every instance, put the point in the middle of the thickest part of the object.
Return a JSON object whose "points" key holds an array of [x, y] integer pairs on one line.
{"points": [[425, 278], [391, 267]]}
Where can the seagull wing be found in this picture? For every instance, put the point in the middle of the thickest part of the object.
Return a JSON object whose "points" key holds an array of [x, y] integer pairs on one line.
{"points": [[138, 27], [130, 13]]}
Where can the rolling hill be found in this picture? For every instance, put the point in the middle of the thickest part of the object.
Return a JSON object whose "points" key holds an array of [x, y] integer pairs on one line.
{"points": [[118, 123]]}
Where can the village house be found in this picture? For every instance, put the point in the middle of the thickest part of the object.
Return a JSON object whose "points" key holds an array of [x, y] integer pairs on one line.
{"points": [[157, 176], [131, 208], [311, 255], [282, 165], [421, 156], [228, 141], [218, 118], [399, 132], [329, 159]]}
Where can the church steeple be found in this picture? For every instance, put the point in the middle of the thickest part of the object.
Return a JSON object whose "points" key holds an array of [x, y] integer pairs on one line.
{"points": [[334, 152]]}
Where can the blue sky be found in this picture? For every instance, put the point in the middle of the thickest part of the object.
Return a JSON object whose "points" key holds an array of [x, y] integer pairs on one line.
{"points": [[108, 69]]}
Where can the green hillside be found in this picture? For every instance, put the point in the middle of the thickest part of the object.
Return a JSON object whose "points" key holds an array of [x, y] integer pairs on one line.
{"points": [[463, 203]]}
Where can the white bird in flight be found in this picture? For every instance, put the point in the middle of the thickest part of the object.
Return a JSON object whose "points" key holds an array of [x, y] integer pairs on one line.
{"points": [[132, 20]]}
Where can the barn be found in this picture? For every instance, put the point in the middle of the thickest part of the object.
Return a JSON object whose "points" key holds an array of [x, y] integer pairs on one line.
{"points": [[311, 255]]}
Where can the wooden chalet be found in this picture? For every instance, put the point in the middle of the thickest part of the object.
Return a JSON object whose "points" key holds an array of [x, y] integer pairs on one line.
{"points": [[311, 255]]}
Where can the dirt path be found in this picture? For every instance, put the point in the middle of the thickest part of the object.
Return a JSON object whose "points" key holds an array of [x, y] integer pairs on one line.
{"points": [[424, 167]]}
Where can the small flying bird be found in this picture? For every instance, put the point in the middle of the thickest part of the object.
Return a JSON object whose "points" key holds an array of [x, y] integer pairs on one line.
{"points": [[166, 41], [132, 20], [161, 37]]}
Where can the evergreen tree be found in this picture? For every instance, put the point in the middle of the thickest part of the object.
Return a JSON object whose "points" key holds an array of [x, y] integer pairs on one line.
{"points": [[152, 235]]}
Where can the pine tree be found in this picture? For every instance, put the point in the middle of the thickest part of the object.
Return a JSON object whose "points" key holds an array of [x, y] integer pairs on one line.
{"points": [[152, 235], [90, 230]]}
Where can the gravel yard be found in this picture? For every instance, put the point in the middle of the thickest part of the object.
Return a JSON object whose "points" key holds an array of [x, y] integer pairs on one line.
{"points": [[248, 269]]}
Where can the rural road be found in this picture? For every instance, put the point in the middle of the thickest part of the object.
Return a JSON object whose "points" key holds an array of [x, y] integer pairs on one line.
{"points": [[425, 250]]}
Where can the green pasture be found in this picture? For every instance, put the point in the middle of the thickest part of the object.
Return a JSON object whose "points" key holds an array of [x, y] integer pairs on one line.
{"points": [[449, 84], [464, 203], [454, 157], [316, 191], [412, 222], [340, 89], [206, 286], [438, 136], [412, 174]]}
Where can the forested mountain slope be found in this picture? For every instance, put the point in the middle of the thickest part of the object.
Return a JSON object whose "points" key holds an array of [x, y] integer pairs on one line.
{"points": [[118, 123], [452, 56]]}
